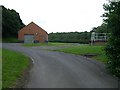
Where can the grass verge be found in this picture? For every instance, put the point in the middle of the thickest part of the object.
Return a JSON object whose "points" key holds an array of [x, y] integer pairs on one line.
{"points": [[97, 51], [44, 44], [0, 68], [13, 66]]}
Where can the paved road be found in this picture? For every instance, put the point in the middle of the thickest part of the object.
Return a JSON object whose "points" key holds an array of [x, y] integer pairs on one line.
{"points": [[60, 70]]}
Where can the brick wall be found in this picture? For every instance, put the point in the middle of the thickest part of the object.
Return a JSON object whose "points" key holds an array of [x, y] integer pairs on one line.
{"points": [[39, 34]]}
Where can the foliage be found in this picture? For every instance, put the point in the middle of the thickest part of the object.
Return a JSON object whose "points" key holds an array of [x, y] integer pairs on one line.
{"points": [[112, 18], [101, 29], [98, 51], [11, 22], [70, 37], [13, 65]]}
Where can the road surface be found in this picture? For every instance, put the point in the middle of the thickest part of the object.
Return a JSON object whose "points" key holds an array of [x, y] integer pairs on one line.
{"points": [[60, 70]]}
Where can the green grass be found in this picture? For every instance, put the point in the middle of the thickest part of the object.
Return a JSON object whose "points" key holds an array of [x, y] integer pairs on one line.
{"points": [[0, 68], [10, 40], [86, 49], [13, 65], [44, 44]]}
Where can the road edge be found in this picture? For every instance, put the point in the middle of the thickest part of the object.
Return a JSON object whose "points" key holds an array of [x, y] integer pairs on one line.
{"points": [[23, 80]]}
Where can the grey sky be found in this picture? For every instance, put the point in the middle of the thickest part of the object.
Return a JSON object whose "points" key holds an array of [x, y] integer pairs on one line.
{"points": [[59, 15]]}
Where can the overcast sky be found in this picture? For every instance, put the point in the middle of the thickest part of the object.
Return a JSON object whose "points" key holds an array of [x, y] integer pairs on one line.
{"points": [[59, 15]]}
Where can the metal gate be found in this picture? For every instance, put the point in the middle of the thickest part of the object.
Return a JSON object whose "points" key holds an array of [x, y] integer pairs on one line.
{"points": [[28, 38]]}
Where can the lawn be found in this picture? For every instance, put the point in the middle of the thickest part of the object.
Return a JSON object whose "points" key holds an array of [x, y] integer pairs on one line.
{"points": [[44, 44], [83, 49], [13, 66], [97, 51], [0, 68]]}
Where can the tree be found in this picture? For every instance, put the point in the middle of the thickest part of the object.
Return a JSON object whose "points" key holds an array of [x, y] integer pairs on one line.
{"points": [[70, 37], [101, 29], [11, 23], [112, 19]]}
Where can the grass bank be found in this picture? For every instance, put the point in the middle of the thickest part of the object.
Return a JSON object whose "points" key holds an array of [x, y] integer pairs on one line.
{"points": [[13, 66], [0, 68], [44, 44], [97, 51], [10, 40]]}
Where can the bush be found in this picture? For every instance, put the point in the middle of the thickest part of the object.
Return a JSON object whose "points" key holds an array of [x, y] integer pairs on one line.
{"points": [[113, 64], [112, 15]]}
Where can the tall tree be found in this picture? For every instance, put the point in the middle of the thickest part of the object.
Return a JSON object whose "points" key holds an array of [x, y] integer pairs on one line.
{"points": [[101, 29], [112, 18], [11, 22]]}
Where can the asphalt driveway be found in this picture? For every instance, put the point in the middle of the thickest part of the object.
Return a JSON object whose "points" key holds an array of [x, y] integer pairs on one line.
{"points": [[61, 70]]}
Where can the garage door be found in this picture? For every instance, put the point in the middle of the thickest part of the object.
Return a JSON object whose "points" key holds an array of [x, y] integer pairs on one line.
{"points": [[28, 38]]}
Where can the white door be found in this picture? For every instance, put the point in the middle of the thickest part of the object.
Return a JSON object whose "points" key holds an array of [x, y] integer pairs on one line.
{"points": [[28, 38]]}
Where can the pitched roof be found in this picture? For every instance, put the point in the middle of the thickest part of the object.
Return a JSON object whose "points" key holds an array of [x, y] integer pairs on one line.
{"points": [[35, 25]]}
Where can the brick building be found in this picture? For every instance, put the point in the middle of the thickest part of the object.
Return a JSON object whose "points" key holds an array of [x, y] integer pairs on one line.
{"points": [[32, 33]]}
